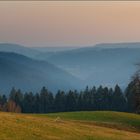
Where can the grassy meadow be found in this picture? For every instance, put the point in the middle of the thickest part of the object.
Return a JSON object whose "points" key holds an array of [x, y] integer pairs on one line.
{"points": [[70, 126]]}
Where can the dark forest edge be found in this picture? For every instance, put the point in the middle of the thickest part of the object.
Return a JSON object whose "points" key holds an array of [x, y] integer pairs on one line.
{"points": [[90, 99]]}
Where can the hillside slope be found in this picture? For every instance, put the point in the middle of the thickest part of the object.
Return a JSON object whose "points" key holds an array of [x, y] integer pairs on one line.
{"points": [[119, 119], [106, 64], [27, 51], [31, 75], [41, 127]]}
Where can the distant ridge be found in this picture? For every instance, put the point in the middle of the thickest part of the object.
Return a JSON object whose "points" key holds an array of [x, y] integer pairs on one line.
{"points": [[7, 47], [120, 44]]}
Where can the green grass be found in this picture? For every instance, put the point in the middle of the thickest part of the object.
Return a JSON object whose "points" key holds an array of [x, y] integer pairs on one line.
{"points": [[127, 119], [70, 126]]}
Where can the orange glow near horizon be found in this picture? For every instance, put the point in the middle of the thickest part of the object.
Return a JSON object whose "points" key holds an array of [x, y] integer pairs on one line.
{"points": [[69, 23]]}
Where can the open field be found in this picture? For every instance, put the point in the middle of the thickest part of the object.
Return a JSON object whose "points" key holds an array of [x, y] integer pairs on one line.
{"points": [[70, 126]]}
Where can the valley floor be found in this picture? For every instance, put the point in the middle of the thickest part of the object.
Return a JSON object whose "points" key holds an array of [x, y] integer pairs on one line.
{"points": [[63, 126]]}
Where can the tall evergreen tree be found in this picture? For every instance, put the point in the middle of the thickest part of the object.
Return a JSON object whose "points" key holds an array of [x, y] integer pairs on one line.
{"points": [[12, 94], [28, 103], [98, 98], [133, 95], [37, 103], [60, 101], [71, 101], [46, 100], [119, 101], [80, 101]]}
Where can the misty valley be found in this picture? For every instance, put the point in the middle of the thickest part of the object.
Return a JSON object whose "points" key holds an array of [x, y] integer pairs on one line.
{"points": [[75, 68]]}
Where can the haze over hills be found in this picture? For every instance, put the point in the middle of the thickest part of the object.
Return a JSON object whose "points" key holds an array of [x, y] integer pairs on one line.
{"points": [[46, 52], [106, 64], [31, 75]]}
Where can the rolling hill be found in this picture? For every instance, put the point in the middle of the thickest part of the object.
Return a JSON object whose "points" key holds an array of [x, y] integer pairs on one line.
{"points": [[27, 51], [106, 64], [33, 52], [31, 75], [70, 126]]}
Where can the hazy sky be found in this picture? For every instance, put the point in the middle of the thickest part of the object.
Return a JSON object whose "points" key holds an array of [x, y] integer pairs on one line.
{"points": [[69, 23]]}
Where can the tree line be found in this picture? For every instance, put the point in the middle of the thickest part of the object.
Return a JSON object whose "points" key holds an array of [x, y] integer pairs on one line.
{"points": [[90, 99]]}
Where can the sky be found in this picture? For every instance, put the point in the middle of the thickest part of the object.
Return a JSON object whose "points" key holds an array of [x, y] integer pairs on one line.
{"points": [[59, 23]]}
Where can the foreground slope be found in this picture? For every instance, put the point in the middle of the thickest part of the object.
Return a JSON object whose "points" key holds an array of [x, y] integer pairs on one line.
{"points": [[117, 119], [59, 127]]}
